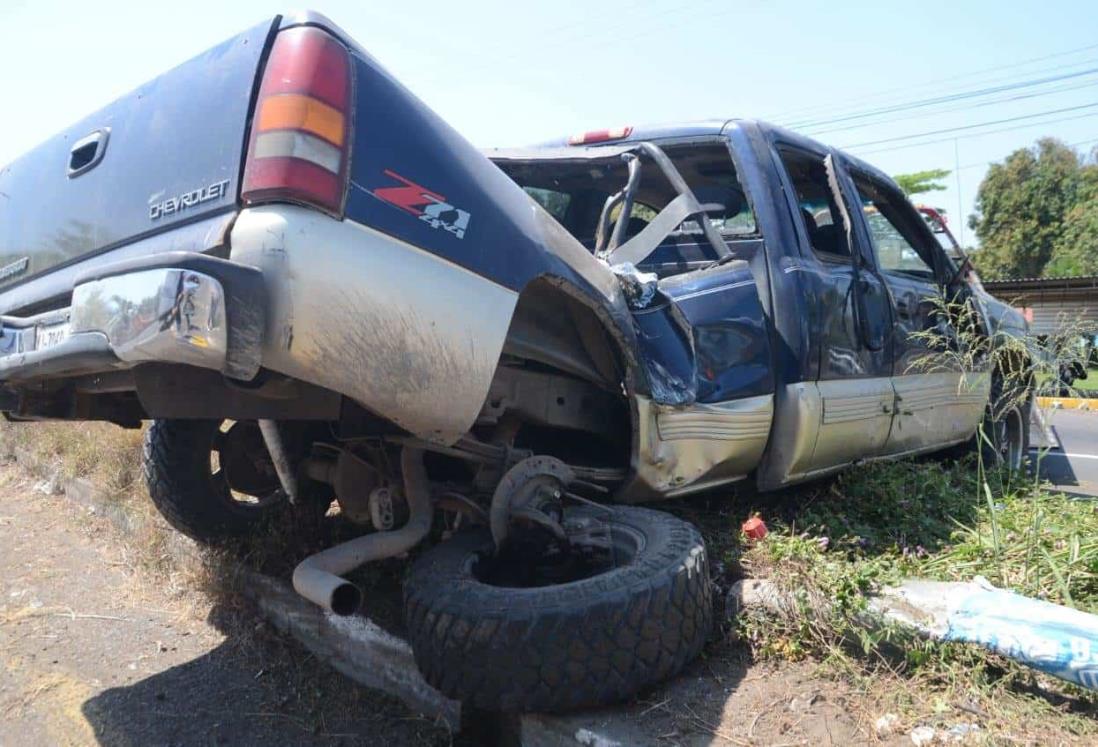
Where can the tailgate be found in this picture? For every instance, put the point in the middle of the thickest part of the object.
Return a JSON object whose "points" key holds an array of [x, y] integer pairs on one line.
{"points": [[166, 153]]}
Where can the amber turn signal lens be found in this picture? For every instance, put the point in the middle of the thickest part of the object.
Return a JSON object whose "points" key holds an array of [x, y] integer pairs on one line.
{"points": [[291, 111]]}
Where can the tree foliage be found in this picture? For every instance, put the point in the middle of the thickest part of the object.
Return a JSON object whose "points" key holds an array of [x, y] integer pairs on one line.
{"points": [[1037, 214], [1076, 251], [922, 181]]}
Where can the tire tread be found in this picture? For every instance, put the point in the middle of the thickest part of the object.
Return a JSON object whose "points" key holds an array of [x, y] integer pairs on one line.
{"points": [[583, 644]]}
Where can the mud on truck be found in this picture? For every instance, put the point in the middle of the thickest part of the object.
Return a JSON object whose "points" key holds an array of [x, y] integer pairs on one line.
{"points": [[279, 256]]}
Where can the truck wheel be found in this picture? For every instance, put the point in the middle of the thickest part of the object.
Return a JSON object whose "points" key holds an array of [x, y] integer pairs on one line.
{"points": [[210, 484], [1009, 438], [480, 637], [1006, 428]]}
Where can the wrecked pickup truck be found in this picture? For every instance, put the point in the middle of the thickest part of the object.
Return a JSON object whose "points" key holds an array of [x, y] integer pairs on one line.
{"points": [[317, 290]]}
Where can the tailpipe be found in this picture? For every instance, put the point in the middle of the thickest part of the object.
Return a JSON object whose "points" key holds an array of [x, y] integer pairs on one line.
{"points": [[318, 577]]}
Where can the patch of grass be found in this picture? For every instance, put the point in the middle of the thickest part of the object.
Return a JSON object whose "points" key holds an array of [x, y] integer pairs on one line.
{"points": [[110, 458], [1038, 543], [107, 455], [1045, 382], [889, 521], [879, 524]]}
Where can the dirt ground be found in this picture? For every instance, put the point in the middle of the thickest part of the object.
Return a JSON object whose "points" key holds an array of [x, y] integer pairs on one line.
{"points": [[722, 699], [94, 648], [93, 651]]}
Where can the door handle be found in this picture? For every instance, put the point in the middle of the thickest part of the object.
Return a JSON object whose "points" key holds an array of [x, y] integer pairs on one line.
{"points": [[88, 151], [906, 306]]}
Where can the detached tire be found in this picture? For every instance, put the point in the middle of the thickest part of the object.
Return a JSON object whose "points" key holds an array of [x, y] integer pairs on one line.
{"points": [[189, 492], [588, 642]]}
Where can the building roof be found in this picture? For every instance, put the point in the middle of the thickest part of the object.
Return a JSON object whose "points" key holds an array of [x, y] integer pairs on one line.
{"points": [[1081, 281]]}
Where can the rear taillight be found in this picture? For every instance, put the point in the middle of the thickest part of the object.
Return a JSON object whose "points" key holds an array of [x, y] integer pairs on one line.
{"points": [[301, 133]]}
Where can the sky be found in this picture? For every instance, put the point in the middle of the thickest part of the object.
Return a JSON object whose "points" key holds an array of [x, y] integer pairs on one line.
{"points": [[510, 73]]}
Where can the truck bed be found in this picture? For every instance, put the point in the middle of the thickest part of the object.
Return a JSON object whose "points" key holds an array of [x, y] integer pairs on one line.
{"points": [[166, 154]]}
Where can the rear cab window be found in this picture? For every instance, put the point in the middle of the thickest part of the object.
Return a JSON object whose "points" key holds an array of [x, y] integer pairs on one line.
{"points": [[555, 203], [575, 194]]}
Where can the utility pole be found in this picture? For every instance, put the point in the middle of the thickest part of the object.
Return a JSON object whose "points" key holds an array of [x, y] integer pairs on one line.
{"points": [[957, 174]]}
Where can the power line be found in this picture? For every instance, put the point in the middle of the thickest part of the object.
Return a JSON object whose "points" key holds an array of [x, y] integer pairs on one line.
{"points": [[979, 134], [802, 111], [988, 163], [907, 106], [966, 107], [972, 126]]}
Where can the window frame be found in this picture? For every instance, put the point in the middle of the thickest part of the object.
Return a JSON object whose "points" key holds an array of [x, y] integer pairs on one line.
{"points": [[753, 240], [916, 224], [794, 207]]}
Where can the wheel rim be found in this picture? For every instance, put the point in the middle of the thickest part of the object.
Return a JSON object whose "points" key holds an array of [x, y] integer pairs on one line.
{"points": [[1010, 445], [596, 546], [237, 470]]}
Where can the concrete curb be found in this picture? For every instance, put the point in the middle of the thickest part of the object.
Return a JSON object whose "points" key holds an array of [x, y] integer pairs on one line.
{"points": [[1068, 403], [354, 646]]}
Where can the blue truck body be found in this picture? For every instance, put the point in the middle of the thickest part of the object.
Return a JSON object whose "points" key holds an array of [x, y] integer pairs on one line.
{"points": [[721, 330]]}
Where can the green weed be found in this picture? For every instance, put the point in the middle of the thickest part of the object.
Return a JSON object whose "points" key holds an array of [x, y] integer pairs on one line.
{"points": [[877, 525]]}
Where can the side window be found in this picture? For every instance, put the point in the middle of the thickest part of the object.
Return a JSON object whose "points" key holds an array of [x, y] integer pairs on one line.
{"points": [[897, 243], [818, 212], [639, 217]]}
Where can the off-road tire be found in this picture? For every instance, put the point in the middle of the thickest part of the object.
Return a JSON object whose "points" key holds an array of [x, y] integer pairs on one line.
{"points": [[585, 643], [1006, 404], [176, 464], [998, 404]]}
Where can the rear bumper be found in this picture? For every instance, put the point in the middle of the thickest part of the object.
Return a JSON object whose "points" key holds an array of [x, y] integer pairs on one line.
{"points": [[176, 307], [405, 333]]}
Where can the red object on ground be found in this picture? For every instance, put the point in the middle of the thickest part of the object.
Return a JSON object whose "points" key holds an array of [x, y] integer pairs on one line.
{"points": [[754, 528]]}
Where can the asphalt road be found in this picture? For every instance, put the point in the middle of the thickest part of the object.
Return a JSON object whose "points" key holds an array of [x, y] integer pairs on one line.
{"points": [[1071, 459]]}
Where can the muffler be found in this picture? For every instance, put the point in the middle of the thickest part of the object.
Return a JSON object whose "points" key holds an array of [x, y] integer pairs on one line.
{"points": [[318, 577]]}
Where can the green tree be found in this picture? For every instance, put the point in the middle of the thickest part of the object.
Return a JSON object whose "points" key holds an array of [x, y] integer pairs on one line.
{"points": [[922, 181], [1076, 251], [1021, 207]]}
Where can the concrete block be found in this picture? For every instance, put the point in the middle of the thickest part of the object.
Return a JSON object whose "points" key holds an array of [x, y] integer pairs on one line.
{"points": [[354, 646]]}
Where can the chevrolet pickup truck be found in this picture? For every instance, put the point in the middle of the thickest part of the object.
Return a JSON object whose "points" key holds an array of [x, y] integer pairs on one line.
{"points": [[317, 290]]}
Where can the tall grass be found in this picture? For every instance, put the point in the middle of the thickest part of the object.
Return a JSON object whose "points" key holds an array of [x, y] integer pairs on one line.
{"points": [[107, 455], [879, 524]]}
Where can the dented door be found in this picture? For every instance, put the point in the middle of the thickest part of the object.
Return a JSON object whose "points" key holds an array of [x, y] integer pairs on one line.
{"points": [[719, 433]]}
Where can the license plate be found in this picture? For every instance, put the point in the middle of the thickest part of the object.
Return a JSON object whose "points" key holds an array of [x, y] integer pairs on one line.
{"points": [[49, 335]]}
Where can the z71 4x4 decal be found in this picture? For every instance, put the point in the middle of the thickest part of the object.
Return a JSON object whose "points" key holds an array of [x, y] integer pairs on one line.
{"points": [[428, 206]]}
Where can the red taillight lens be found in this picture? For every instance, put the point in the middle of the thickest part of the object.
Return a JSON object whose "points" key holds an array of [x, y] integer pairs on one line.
{"points": [[301, 133]]}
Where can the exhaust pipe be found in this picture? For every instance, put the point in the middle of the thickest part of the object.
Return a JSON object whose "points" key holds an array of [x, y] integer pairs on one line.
{"points": [[317, 578]]}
